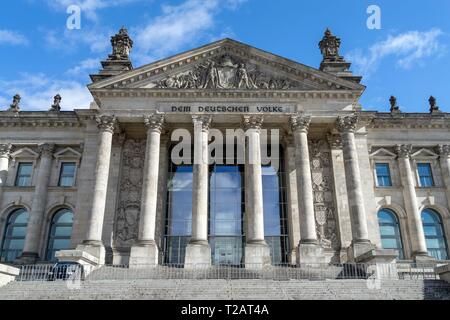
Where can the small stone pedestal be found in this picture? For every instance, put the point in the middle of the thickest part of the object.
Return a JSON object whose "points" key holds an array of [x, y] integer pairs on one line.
{"points": [[424, 260], [444, 272], [381, 263], [144, 254], [198, 255], [87, 260], [257, 255], [310, 253], [7, 274], [357, 249]]}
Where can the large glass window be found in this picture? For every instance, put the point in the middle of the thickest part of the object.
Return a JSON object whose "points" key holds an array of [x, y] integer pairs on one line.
{"points": [[434, 234], [425, 174], [24, 171], [60, 233], [67, 174], [225, 214], [275, 216], [179, 213], [390, 231], [383, 175], [14, 236]]}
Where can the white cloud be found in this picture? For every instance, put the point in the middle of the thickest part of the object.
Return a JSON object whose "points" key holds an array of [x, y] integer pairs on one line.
{"points": [[96, 39], [178, 26], [37, 92], [409, 48], [84, 66], [12, 38]]}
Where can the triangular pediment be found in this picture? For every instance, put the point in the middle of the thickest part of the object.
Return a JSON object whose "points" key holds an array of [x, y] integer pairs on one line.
{"points": [[25, 153], [67, 153], [383, 153], [424, 154], [227, 65]]}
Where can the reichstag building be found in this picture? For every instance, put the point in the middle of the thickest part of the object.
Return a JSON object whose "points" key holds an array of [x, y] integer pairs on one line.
{"points": [[170, 166]]}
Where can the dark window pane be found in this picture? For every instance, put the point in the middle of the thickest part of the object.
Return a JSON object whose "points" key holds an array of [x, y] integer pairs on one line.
{"points": [[390, 231], [434, 234], [425, 174], [24, 172], [60, 233], [383, 175]]}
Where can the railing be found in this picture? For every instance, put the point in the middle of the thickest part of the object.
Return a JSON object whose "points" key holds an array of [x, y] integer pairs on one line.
{"points": [[250, 272]]}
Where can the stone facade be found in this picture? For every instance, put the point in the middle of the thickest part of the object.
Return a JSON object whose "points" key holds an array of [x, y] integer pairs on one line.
{"points": [[121, 148]]}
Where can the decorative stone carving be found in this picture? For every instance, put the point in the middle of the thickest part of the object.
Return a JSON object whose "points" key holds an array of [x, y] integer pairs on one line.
{"points": [[56, 106], [404, 150], [347, 123], [444, 150], [154, 122], [5, 150], [299, 122], [121, 45], [225, 72], [15, 106], [204, 121], [335, 141], [321, 173], [329, 46], [253, 122], [46, 149], [106, 123], [394, 107], [126, 225], [433, 106]]}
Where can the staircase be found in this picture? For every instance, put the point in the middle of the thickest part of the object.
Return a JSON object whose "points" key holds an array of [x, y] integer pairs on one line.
{"points": [[216, 289]]}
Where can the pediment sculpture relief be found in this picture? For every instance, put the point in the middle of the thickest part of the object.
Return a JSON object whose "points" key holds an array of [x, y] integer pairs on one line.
{"points": [[225, 72]]}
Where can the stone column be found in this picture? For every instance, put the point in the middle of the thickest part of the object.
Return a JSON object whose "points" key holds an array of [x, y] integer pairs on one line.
{"points": [[32, 240], [257, 252], [145, 251], [198, 251], [309, 250], [444, 152], [93, 243], [5, 150], [360, 235], [417, 236]]}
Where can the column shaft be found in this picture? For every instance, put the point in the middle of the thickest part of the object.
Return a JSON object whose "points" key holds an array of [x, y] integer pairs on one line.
{"points": [[95, 225], [409, 193], [305, 192], [5, 150], [347, 126], [32, 239]]}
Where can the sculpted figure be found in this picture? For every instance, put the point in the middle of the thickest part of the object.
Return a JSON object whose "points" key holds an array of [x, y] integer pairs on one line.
{"points": [[244, 79], [56, 106], [212, 76], [15, 106]]}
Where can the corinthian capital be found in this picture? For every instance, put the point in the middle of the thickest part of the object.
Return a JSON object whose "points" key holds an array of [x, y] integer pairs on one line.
{"points": [[46, 149], [203, 121], [347, 123], [154, 121], [253, 122], [5, 150], [403, 150], [444, 150], [106, 123], [299, 122]]}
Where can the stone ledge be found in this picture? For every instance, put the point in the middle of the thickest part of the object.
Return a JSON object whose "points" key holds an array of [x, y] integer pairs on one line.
{"points": [[377, 256], [79, 256], [443, 272], [8, 274]]}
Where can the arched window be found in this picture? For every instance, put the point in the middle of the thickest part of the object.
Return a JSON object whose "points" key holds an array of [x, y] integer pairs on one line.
{"points": [[14, 236], [60, 233], [434, 234], [390, 231]]}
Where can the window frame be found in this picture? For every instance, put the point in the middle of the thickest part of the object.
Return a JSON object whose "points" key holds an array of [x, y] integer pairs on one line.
{"points": [[377, 181], [7, 225], [442, 228], [419, 180], [16, 179], [51, 237], [74, 177], [398, 228]]}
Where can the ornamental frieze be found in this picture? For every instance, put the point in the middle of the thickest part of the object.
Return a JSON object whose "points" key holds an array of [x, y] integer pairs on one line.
{"points": [[226, 72]]}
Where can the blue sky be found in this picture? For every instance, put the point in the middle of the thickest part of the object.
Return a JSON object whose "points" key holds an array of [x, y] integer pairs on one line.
{"points": [[408, 57]]}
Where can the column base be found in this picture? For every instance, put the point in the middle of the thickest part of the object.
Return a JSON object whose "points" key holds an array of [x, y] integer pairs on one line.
{"points": [[95, 249], [87, 260], [257, 255], [359, 248], [198, 255], [422, 258], [144, 254], [381, 263], [27, 258], [310, 253]]}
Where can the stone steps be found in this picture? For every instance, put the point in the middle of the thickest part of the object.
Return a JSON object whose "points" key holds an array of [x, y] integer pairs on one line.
{"points": [[229, 290]]}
